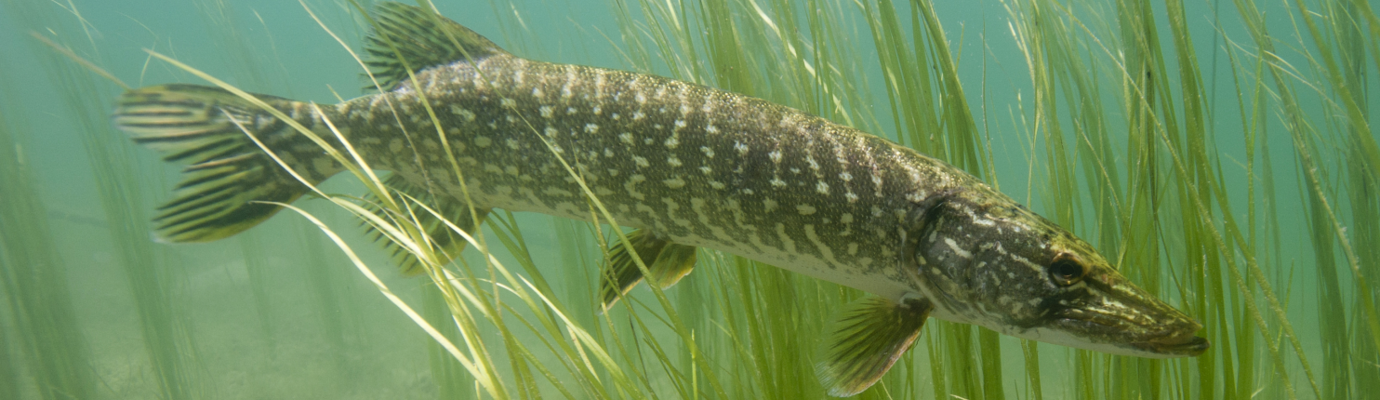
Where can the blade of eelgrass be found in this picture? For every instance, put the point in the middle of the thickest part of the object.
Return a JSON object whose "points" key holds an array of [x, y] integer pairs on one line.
{"points": [[162, 327], [582, 343], [801, 71], [46, 327], [1168, 213], [1149, 110], [960, 130], [932, 116], [765, 63], [1195, 114], [256, 267], [1346, 72], [329, 300], [481, 366], [509, 277], [447, 373], [9, 359], [488, 307], [248, 69], [1238, 386], [234, 49], [388, 293], [1346, 21], [577, 246], [1032, 369], [603, 214], [728, 71], [1045, 39], [1336, 373], [1234, 293]]}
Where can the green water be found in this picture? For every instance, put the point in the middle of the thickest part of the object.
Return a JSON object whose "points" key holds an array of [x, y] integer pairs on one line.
{"points": [[1241, 191]]}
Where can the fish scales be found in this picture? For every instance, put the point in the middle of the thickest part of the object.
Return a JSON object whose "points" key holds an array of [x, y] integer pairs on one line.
{"points": [[698, 165], [689, 166]]}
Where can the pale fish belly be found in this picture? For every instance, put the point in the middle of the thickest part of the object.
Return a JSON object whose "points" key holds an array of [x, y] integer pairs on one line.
{"points": [[700, 166], [689, 166]]}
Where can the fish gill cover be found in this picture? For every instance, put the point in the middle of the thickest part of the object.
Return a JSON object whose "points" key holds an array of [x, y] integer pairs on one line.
{"points": [[1113, 124]]}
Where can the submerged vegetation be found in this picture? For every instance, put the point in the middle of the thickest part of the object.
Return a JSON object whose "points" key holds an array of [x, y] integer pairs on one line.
{"points": [[1223, 160]]}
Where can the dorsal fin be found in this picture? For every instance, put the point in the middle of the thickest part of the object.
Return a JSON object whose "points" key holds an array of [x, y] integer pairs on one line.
{"points": [[423, 39]]}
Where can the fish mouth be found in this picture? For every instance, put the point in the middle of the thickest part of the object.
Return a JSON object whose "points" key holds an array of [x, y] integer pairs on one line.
{"points": [[1184, 344], [1164, 336]]}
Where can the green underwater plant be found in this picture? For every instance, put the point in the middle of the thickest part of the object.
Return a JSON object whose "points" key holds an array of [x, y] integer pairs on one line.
{"points": [[1125, 144]]}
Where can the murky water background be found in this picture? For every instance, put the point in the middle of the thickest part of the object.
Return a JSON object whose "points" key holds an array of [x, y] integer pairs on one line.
{"points": [[279, 312]]}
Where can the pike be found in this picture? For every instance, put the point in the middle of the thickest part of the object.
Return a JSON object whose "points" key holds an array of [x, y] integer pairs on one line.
{"points": [[687, 166]]}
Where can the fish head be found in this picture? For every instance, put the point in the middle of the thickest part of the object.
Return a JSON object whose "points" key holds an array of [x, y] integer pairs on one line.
{"points": [[984, 259]]}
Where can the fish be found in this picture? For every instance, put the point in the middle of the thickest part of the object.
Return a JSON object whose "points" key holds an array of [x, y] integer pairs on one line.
{"points": [[459, 121]]}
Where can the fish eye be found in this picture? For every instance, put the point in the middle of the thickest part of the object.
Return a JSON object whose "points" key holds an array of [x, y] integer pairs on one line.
{"points": [[1065, 270]]}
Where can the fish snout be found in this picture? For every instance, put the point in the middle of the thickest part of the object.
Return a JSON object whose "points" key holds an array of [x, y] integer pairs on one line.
{"points": [[1178, 338]]}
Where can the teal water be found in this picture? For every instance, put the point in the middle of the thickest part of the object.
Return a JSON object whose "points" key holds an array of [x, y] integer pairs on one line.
{"points": [[279, 312]]}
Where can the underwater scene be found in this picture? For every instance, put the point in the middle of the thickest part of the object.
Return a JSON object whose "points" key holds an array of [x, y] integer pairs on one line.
{"points": [[1205, 174]]}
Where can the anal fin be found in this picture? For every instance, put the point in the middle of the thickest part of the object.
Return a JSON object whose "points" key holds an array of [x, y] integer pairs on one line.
{"points": [[445, 243], [866, 339], [667, 261]]}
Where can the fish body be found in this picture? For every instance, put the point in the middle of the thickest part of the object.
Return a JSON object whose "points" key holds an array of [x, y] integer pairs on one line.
{"points": [[695, 165], [688, 166]]}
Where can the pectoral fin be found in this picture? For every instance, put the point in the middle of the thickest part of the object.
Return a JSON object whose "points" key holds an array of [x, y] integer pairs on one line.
{"points": [[869, 335], [666, 261]]}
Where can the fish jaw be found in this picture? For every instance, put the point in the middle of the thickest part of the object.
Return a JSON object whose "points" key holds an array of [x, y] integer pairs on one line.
{"points": [[982, 259], [1116, 317]]}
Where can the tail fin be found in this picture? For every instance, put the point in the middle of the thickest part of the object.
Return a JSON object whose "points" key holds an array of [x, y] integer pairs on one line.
{"points": [[228, 175]]}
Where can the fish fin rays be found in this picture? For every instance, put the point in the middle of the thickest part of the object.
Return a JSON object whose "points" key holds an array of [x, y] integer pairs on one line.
{"points": [[407, 36], [443, 241], [866, 339], [668, 262], [228, 177]]}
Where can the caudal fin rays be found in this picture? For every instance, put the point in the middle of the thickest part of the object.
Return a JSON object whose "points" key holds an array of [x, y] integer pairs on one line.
{"points": [[228, 176]]}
